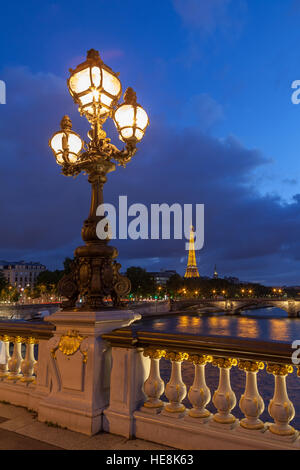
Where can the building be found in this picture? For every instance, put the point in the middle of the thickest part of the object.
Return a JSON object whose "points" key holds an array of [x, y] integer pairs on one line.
{"points": [[21, 273], [162, 276], [192, 270]]}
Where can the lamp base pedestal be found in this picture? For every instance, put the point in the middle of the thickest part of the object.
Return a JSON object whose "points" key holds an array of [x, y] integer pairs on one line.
{"points": [[79, 365]]}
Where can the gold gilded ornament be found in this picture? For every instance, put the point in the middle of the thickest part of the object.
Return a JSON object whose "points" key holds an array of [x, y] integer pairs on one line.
{"points": [[224, 363], [177, 356], [200, 360], [154, 353], [69, 344], [249, 366], [279, 369]]}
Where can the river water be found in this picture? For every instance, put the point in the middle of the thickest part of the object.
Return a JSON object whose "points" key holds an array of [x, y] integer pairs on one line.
{"points": [[264, 324], [268, 324]]}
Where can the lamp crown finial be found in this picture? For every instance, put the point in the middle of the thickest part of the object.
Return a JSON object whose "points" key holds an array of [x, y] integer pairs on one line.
{"points": [[93, 54], [130, 96], [66, 123]]}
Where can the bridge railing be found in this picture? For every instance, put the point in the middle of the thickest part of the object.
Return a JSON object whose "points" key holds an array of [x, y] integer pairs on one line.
{"points": [[147, 406], [22, 361]]}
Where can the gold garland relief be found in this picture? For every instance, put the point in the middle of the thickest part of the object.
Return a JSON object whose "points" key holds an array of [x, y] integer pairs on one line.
{"points": [[18, 339], [200, 360], [250, 366], [224, 363], [279, 369], [6, 338], [177, 356], [154, 353]]}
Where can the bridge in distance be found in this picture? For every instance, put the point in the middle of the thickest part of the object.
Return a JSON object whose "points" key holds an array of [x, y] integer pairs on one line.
{"points": [[236, 306]]}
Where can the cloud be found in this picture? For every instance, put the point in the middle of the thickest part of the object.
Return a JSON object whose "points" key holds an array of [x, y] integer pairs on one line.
{"points": [[204, 111], [205, 15], [204, 20], [290, 181]]}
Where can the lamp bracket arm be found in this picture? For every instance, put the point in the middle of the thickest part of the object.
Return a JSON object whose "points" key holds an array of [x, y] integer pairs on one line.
{"points": [[125, 155]]}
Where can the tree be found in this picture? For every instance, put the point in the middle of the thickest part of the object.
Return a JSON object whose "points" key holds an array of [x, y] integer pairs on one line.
{"points": [[174, 284], [142, 283], [47, 281], [67, 265], [15, 295], [3, 281]]}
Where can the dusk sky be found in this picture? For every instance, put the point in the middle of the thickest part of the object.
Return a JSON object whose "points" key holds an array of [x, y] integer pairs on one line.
{"points": [[215, 77]]}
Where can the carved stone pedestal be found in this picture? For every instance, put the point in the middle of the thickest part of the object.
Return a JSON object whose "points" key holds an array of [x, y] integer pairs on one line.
{"points": [[79, 365]]}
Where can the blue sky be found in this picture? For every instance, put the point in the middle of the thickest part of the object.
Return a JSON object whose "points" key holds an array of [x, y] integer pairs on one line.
{"points": [[215, 77]]}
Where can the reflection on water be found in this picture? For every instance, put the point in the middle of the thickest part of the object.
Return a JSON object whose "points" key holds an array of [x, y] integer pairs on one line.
{"points": [[247, 328], [280, 329], [269, 324], [219, 324], [186, 322], [197, 321]]}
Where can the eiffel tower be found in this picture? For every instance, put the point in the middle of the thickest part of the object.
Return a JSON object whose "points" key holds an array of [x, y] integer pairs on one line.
{"points": [[192, 270]]}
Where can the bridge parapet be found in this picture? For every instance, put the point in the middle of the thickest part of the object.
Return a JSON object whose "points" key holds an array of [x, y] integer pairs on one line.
{"points": [[137, 408], [74, 383]]}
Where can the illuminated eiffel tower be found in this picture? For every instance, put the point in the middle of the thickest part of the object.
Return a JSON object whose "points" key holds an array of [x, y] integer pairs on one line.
{"points": [[192, 270]]}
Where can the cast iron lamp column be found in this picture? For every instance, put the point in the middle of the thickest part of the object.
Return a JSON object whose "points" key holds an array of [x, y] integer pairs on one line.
{"points": [[96, 89]]}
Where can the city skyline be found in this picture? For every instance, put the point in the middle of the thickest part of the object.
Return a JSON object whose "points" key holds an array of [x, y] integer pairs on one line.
{"points": [[215, 97]]}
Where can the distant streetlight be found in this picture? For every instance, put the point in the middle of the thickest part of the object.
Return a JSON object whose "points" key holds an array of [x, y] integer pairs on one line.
{"points": [[96, 89]]}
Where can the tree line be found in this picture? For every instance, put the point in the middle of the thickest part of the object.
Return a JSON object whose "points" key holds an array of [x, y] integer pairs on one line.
{"points": [[143, 285]]}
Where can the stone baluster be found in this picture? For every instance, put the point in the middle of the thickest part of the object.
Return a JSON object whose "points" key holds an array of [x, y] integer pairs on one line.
{"points": [[199, 393], [154, 386], [28, 363], [281, 408], [5, 358], [175, 388], [251, 403], [224, 398], [14, 363]]}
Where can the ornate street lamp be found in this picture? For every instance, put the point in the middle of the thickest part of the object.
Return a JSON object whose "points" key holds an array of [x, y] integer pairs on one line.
{"points": [[96, 89]]}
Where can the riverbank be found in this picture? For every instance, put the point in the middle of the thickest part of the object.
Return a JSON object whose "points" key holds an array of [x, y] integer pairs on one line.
{"points": [[25, 311]]}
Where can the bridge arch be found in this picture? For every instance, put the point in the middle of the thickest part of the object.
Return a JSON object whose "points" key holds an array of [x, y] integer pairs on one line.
{"points": [[236, 306]]}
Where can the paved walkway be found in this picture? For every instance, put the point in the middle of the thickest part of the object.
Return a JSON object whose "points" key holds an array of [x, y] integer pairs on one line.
{"points": [[20, 430]]}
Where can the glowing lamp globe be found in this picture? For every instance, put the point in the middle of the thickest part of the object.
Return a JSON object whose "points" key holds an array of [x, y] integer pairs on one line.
{"points": [[94, 87], [130, 119], [66, 144]]}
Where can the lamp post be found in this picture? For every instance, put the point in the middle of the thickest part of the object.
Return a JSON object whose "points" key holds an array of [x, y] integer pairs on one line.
{"points": [[96, 89]]}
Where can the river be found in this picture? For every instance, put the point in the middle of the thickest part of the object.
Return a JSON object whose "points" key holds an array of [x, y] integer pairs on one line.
{"points": [[267, 324]]}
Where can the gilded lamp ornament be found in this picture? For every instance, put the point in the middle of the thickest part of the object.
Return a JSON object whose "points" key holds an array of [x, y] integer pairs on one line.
{"points": [[96, 89]]}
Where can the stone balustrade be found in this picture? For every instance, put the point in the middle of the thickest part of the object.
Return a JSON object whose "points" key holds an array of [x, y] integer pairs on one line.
{"points": [[21, 345], [90, 372], [171, 413]]}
